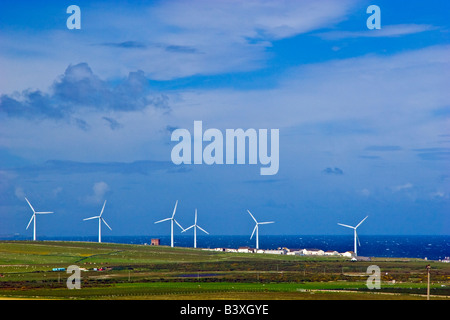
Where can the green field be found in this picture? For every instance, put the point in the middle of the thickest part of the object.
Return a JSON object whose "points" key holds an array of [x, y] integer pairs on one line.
{"points": [[159, 272]]}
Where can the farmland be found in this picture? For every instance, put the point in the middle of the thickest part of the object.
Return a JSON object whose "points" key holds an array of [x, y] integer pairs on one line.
{"points": [[123, 271]]}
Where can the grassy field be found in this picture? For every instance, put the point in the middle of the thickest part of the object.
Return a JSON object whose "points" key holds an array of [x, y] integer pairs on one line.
{"points": [[149, 272]]}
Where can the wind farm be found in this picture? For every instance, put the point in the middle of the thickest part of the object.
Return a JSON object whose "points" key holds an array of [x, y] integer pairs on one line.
{"points": [[243, 246], [136, 271]]}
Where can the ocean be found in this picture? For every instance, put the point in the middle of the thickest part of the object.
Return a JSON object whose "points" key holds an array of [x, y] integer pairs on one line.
{"points": [[430, 247]]}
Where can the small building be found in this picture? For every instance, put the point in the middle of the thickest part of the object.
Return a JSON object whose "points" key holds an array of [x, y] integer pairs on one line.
{"points": [[245, 250], [360, 258], [278, 251], [296, 252], [331, 253], [155, 242], [348, 254], [313, 252]]}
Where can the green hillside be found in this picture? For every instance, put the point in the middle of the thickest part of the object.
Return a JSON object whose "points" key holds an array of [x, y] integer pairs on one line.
{"points": [[123, 271]]}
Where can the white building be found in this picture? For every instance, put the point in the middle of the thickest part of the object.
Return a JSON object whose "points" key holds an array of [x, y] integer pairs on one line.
{"points": [[245, 250], [313, 252], [295, 252], [278, 251], [348, 254]]}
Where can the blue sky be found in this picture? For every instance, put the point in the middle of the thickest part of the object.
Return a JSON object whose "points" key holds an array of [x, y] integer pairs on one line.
{"points": [[364, 115]]}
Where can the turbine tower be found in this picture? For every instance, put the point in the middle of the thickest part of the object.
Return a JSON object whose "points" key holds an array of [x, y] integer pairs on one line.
{"points": [[33, 218], [355, 234], [100, 220], [257, 229], [172, 220], [195, 226]]}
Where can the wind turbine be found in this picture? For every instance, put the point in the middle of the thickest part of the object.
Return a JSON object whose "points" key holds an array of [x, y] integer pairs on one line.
{"points": [[33, 217], [355, 234], [172, 219], [100, 220], [257, 229], [195, 226]]}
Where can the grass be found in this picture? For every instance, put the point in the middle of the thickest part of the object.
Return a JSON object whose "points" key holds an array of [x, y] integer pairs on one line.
{"points": [[148, 272]]}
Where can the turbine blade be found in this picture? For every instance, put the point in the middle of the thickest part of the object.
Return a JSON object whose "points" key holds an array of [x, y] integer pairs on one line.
{"points": [[266, 222], [90, 218], [357, 238], [32, 217], [103, 208], [106, 224], [188, 228], [361, 222], [202, 229], [178, 224], [163, 220], [254, 229], [43, 212], [30, 204], [195, 220], [174, 209], [344, 225], [252, 216]]}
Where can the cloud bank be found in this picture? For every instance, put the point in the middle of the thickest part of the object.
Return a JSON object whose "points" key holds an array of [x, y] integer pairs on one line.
{"points": [[79, 90]]}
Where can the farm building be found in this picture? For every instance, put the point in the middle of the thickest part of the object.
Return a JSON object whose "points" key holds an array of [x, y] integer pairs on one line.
{"points": [[313, 252], [155, 242]]}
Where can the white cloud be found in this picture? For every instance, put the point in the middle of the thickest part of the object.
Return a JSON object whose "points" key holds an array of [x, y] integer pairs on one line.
{"points": [[386, 31], [439, 195], [99, 190], [405, 186], [382, 94], [19, 193], [56, 191], [365, 192], [175, 39]]}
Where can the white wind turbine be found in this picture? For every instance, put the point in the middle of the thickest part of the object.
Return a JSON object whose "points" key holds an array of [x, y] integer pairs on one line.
{"points": [[257, 229], [100, 220], [355, 234], [195, 226], [172, 220], [33, 217]]}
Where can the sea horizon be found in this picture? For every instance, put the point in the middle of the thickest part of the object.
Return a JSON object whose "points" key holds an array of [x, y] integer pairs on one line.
{"points": [[431, 247]]}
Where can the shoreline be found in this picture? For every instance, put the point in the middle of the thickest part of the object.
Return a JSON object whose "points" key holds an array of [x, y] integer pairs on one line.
{"points": [[234, 250]]}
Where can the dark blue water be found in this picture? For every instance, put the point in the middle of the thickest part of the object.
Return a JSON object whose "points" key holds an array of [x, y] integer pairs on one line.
{"points": [[430, 247]]}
